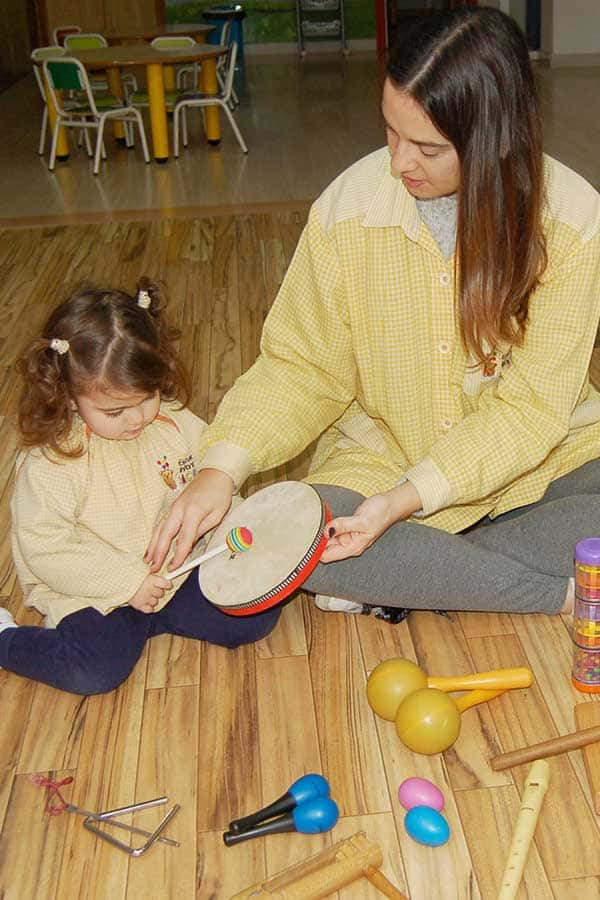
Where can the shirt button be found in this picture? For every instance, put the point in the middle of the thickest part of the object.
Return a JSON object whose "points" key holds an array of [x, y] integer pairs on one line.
{"points": [[444, 347], [444, 279], [446, 424]]}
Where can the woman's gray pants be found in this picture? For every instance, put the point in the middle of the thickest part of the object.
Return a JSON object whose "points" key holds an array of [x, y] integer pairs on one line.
{"points": [[519, 562]]}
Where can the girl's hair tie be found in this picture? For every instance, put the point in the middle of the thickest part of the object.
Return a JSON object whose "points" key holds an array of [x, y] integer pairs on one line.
{"points": [[59, 346], [143, 299]]}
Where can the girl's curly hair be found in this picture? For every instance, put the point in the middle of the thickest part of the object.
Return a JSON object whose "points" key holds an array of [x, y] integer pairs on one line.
{"points": [[113, 342]]}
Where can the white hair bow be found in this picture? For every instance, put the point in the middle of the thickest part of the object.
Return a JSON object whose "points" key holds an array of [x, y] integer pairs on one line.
{"points": [[59, 346], [143, 299]]}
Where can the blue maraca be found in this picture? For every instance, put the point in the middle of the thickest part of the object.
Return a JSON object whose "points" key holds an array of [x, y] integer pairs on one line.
{"points": [[312, 817], [309, 787]]}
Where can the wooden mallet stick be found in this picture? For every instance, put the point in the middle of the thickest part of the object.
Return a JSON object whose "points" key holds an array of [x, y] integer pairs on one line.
{"points": [[238, 540], [586, 716], [553, 747]]}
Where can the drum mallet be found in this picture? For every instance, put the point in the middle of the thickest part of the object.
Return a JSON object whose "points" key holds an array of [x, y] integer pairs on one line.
{"points": [[327, 872], [536, 785], [238, 540]]}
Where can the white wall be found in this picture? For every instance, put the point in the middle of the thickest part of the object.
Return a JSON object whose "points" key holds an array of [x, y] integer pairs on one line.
{"points": [[569, 27], [576, 26]]}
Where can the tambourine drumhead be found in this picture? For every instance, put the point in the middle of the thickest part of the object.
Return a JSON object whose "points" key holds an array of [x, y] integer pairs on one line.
{"points": [[286, 521]]}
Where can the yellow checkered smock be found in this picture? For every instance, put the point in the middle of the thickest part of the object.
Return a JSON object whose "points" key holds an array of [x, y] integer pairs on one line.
{"points": [[362, 348], [80, 527]]}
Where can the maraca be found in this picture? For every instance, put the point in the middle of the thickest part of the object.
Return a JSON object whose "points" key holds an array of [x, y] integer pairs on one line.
{"points": [[428, 720], [308, 787], [394, 679], [312, 817]]}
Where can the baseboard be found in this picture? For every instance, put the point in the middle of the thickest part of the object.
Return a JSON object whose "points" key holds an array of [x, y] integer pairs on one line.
{"points": [[99, 217], [563, 60]]}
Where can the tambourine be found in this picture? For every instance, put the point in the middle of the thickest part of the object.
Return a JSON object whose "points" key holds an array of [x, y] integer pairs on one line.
{"points": [[287, 522]]}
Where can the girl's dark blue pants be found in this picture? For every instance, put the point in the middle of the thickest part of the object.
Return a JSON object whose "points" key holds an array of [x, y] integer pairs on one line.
{"points": [[89, 653]]}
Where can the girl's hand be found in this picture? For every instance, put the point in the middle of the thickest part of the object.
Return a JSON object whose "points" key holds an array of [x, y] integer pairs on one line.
{"points": [[151, 590], [200, 507], [352, 535]]}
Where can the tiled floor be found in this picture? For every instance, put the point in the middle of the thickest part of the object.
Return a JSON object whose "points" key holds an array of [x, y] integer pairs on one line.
{"points": [[304, 121]]}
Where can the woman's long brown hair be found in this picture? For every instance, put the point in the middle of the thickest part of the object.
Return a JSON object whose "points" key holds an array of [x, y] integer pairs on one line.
{"points": [[469, 69]]}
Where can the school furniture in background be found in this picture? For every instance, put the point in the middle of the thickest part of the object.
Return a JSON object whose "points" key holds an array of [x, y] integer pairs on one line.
{"points": [[320, 20], [88, 41], [113, 59], [66, 75], [39, 55], [205, 102]]}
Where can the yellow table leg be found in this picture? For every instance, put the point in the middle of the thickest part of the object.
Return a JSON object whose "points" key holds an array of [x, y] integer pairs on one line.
{"points": [[62, 147], [115, 86], [169, 78], [208, 84], [158, 111]]}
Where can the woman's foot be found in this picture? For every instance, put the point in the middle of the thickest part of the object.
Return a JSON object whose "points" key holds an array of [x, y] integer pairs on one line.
{"points": [[336, 604], [569, 604], [392, 614]]}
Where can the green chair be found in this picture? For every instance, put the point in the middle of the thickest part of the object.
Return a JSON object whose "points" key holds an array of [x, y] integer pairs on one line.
{"points": [[171, 42], [85, 109], [89, 41], [200, 100], [61, 31]]}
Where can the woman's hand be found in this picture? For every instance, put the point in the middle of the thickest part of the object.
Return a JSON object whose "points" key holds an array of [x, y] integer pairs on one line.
{"points": [[200, 507], [151, 590], [352, 535]]}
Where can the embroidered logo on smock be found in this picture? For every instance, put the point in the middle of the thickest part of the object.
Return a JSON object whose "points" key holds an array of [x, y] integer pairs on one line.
{"points": [[166, 472], [185, 470]]}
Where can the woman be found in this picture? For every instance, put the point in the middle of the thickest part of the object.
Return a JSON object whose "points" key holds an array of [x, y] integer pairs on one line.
{"points": [[434, 332]]}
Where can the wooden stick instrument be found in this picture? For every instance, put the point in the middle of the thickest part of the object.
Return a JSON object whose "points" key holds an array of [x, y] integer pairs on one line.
{"points": [[325, 873], [536, 786], [553, 747], [587, 715]]}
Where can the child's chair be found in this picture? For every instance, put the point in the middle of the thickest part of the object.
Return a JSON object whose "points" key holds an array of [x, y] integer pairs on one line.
{"points": [[41, 53], [89, 41], [203, 100], [61, 31], [91, 111]]}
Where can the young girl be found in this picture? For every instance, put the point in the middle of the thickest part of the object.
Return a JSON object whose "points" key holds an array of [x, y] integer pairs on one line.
{"points": [[108, 445]]}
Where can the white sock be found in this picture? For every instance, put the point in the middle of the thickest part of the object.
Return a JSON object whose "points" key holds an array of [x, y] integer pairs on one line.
{"points": [[6, 620], [336, 604]]}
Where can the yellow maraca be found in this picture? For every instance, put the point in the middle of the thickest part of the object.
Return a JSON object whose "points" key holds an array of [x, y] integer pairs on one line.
{"points": [[428, 720], [394, 679]]}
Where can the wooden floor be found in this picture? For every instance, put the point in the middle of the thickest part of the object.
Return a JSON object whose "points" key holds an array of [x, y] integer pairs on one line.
{"points": [[224, 732]]}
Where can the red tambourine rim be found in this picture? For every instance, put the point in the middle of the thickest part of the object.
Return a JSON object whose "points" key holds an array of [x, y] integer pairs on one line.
{"points": [[253, 608]]}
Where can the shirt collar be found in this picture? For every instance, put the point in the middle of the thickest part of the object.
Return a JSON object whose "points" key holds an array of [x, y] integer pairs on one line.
{"points": [[393, 205]]}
